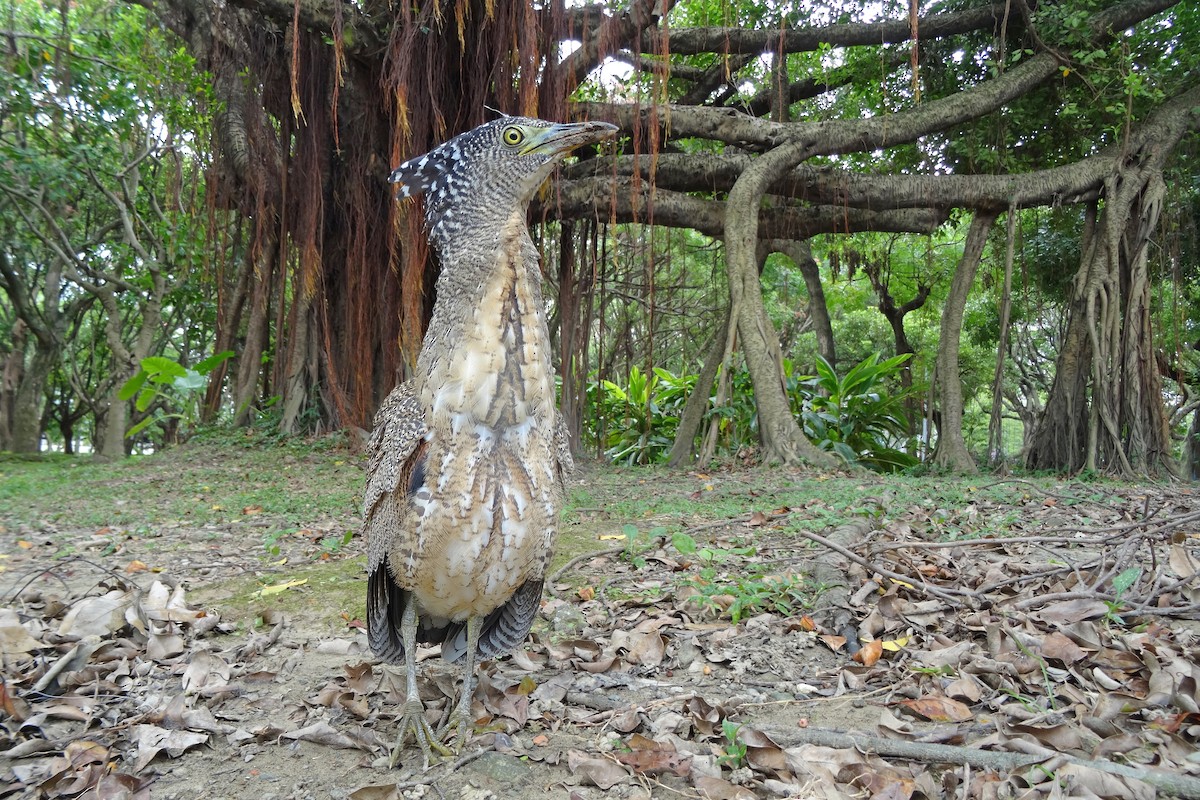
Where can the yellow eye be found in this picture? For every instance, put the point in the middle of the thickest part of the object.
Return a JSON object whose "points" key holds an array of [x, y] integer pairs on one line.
{"points": [[513, 136]]}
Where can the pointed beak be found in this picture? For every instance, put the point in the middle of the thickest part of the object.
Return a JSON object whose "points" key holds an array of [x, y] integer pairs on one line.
{"points": [[566, 136]]}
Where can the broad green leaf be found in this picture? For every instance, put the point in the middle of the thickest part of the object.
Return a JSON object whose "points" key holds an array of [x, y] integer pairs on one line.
{"points": [[131, 386], [209, 364], [158, 365]]}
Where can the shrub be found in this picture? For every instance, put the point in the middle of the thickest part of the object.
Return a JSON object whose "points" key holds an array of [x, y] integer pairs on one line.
{"points": [[854, 416]]}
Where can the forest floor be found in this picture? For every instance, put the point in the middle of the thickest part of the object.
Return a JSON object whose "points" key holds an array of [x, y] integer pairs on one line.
{"points": [[190, 625]]}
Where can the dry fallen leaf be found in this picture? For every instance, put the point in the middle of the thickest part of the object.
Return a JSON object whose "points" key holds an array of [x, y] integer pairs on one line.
{"points": [[870, 653], [602, 772], [938, 709], [151, 740]]}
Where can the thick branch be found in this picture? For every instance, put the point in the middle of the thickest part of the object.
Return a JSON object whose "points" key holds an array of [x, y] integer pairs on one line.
{"points": [[694, 41], [845, 136], [622, 203]]}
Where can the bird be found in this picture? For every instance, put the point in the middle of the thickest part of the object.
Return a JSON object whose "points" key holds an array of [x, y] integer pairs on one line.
{"points": [[468, 459]]}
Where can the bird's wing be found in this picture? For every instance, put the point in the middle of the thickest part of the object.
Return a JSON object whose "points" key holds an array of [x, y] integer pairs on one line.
{"points": [[395, 470]]}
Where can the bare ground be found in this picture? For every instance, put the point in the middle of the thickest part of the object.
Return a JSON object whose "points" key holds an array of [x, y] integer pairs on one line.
{"points": [[189, 625]]}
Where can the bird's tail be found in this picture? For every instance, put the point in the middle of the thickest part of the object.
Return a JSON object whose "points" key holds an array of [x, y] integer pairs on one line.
{"points": [[386, 602], [385, 610], [502, 630]]}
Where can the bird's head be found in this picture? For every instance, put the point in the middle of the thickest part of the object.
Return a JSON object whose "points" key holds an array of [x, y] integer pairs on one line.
{"points": [[496, 167]]}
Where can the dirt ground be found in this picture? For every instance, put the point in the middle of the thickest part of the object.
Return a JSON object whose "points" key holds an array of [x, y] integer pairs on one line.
{"points": [[190, 626]]}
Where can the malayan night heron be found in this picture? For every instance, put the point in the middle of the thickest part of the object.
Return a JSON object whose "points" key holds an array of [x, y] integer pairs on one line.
{"points": [[465, 479]]}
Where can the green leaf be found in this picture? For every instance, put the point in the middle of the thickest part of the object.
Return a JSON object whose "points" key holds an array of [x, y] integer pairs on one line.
{"points": [[146, 398], [190, 381], [141, 426], [131, 386], [158, 365], [684, 543], [1126, 579], [209, 364]]}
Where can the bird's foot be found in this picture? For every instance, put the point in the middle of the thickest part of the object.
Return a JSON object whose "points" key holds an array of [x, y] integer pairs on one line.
{"points": [[461, 720], [413, 720]]}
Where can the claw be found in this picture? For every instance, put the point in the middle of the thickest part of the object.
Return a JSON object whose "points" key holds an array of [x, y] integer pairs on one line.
{"points": [[413, 721]]}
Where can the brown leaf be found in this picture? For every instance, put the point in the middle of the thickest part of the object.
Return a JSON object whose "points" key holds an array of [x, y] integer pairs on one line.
{"points": [[870, 653], [601, 772], [206, 669], [626, 721], [1182, 563], [705, 716], [757, 519], [1059, 647], [655, 762], [323, 733], [14, 639], [379, 791], [720, 789], [938, 709], [250, 511], [833, 642], [648, 649], [152, 740], [1070, 611]]}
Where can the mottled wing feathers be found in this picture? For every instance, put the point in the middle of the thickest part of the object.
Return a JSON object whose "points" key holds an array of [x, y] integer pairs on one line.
{"points": [[503, 629], [396, 467], [398, 436]]}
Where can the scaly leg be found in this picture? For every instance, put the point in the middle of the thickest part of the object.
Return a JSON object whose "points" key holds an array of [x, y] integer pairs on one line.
{"points": [[413, 718], [462, 714]]}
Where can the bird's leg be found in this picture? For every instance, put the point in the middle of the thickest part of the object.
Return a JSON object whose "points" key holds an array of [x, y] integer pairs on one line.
{"points": [[462, 714], [413, 718]]}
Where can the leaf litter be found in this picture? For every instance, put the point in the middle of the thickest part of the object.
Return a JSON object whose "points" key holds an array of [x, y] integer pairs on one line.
{"points": [[1010, 643]]}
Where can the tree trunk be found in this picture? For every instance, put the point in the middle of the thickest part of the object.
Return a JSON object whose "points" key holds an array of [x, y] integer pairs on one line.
{"points": [[1109, 347], [111, 424], [1191, 449], [229, 321], [297, 381], [782, 438], [951, 451], [257, 330], [818, 309], [1108, 352], [29, 400], [570, 337], [684, 445]]}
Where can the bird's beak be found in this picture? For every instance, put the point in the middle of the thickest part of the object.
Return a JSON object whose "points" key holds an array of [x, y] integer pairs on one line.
{"points": [[566, 136]]}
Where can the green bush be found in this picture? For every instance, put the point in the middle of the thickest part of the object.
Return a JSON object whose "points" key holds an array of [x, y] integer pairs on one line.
{"points": [[639, 420], [854, 416]]}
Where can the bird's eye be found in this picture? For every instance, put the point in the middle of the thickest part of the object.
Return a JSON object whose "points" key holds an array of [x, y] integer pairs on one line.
{"points": [[513, 136]]}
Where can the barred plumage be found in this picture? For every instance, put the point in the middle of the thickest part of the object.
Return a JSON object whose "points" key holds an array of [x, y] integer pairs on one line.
{"points": [[464, 483]]}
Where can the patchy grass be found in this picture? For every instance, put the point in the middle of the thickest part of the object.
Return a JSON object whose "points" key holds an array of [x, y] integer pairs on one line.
{"points": [[216, 479], [334, 593]]}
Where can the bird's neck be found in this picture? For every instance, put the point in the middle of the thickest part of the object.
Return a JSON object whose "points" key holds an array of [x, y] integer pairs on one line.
{"points": [[486, 359]]}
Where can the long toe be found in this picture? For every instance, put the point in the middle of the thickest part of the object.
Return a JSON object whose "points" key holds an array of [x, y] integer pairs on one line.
{"points": [[413, 721]]}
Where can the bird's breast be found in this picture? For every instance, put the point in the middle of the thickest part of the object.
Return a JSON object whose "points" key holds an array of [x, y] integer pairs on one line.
{"points": [[486, 515]]}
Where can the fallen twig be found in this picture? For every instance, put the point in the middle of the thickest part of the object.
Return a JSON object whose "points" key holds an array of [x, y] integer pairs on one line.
{"points": [[953, 596], [999, 761], [558, 573]]}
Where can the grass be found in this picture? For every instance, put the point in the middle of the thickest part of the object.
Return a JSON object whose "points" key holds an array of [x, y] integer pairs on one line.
{"points": [[211, 480], [272, 497], [334, 592]]}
